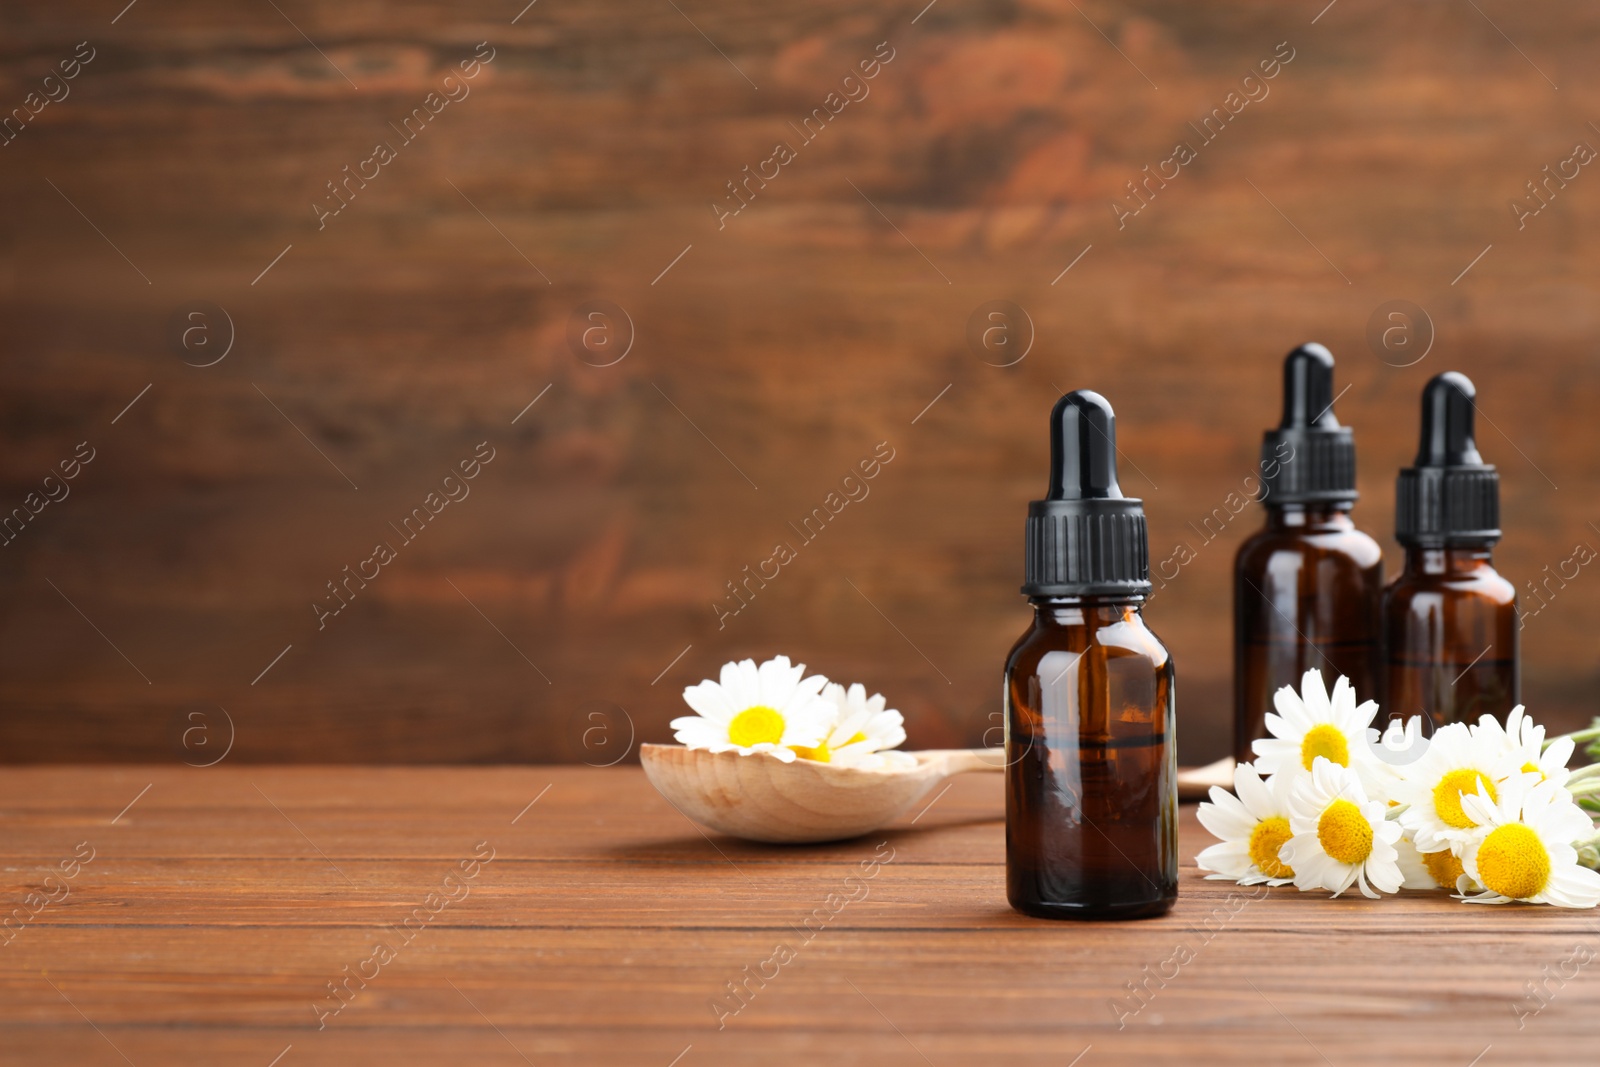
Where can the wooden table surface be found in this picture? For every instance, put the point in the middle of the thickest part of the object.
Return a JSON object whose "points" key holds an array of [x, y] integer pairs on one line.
{"points": [[571, 916]]}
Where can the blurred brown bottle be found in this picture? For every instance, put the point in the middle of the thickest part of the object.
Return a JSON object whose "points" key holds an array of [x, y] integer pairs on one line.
{"points": [[1449, 620], [1308, 586]]}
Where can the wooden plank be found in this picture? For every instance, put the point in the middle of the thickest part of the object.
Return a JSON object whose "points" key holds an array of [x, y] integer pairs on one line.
{"points": [[605, 930]]}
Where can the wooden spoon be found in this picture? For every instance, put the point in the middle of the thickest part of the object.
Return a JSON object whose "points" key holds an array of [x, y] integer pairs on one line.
{"points": [[761, 798]]}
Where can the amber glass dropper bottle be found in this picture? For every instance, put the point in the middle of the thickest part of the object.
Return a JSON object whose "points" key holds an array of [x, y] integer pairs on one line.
{"points": [[1091, 775], [1308, 587], [1449, 619]]}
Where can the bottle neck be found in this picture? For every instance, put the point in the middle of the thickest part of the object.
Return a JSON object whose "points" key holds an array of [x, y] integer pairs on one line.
{"points": [[1451, 559], [1325, 516], [1086, 610]]}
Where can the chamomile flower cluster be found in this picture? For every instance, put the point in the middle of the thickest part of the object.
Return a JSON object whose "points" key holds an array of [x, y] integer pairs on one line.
{"points": [[777, 709], [1486, 810]]}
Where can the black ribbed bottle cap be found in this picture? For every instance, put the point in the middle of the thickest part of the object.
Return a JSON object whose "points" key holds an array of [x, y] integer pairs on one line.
{"points": [[1309, 458], [1085, 538], [1449, 496]]}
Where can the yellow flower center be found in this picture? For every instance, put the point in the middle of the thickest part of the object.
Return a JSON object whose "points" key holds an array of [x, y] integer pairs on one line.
{"points": [[1324, 740], [1265, 841], [755, 725], [1345, 833], [822, 753], [1443, 867], [1512, 861], [1533, 768], [1447, 796]]}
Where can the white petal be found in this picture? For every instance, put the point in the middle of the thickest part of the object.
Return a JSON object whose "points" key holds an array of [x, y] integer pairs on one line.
{"points": [[1572, 886], [1383, 871], [1314, 695], [1303, 853], [1413, 871], [1314, 871], [1363, 715], [738, 682], [775, 680], [1344, 880], [807, 726], [711, 700], [777, 677], [1253, 793], [1281, 786], [693, 722], [813, 685], [1479, 808], [790, 695], [1469, 855], [1225, 817], [1294, 715], [1481, 898], [1229, 858], [750, 681], [1275, 756], [1557, 755], [693, 732]]}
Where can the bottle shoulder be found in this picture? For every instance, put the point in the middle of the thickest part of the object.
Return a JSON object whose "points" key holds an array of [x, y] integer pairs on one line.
{"points": [[1484, 583], [1355, 547]]}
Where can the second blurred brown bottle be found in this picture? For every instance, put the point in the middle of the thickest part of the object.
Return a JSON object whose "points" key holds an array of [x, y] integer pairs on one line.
{"points": [[1450, 620], [1308, 586]]}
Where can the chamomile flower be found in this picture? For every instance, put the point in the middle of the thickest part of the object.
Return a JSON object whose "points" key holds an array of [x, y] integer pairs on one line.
{"points": [[1312, 724], [1484, 810], [1428, 870], [1340, 837], [862, 729], [769, 708], [1458, 763], [1522, 742], [1252, 827], [1525, 849]]}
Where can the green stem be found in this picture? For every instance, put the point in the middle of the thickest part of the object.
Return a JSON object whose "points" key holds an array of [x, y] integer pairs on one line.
{"points": [[1591, 771], [1578, 736]]}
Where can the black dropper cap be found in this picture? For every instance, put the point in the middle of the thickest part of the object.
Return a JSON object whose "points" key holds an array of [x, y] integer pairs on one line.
{"points": [[1309, 458], [1449, 496], [1085, 538]]}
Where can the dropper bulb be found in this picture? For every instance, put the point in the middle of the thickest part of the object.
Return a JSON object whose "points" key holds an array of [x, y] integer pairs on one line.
{"points": [[1083, 448], [1308, 388], [1447, 423]]}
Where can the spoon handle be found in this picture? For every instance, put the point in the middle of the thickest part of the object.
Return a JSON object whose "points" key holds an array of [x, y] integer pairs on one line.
{"points": [[948, 761]]}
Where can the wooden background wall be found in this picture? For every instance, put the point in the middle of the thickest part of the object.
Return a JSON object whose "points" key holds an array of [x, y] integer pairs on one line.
{"points": [[546, 616]]}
